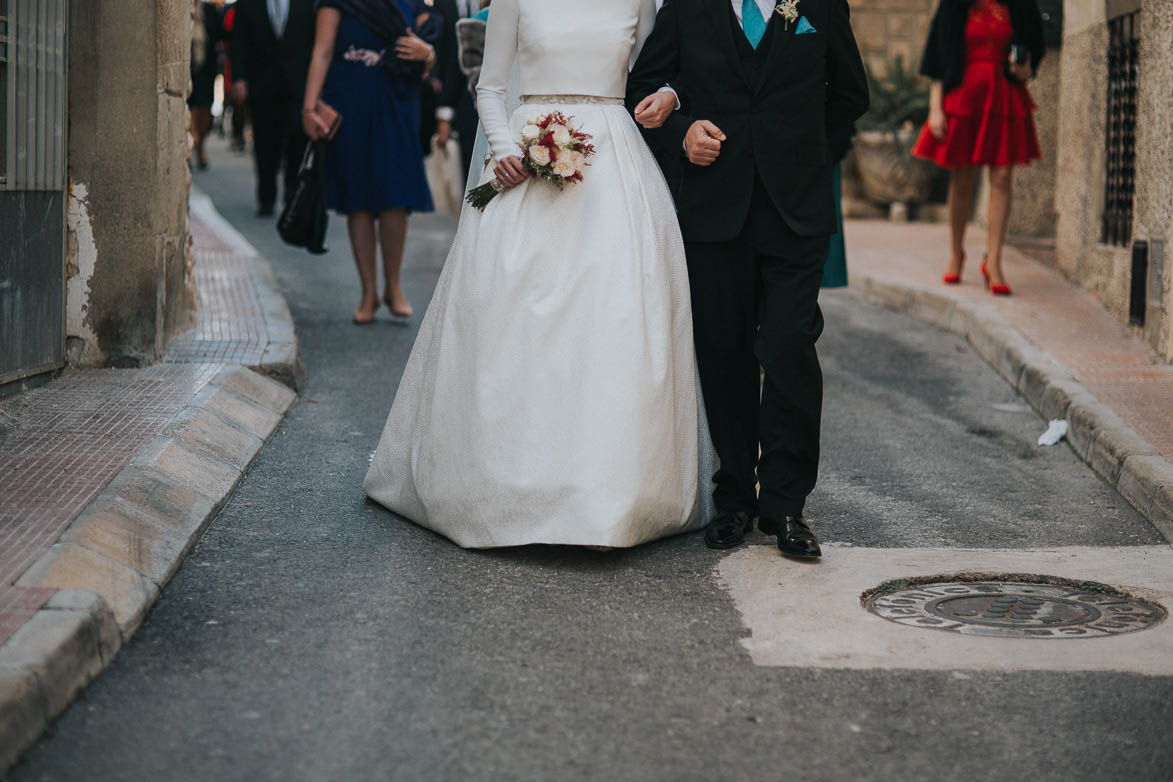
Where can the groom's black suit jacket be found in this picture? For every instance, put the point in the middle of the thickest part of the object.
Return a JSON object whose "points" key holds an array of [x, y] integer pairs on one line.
{"points": [[780, 107]]}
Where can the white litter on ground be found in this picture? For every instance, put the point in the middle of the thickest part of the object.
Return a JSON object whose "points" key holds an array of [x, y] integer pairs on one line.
{"points": [[1055, 432]]}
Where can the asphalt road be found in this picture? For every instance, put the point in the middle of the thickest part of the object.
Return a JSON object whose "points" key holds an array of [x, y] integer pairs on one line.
{"points": [[314, 636]]}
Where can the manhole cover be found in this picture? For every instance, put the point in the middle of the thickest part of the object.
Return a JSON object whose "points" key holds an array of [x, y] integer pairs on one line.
{"points": [[1038, 608]]}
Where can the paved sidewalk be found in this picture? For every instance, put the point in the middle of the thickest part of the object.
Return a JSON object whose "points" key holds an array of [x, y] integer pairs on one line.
{"points": [[108, 477], [1051, 340]]}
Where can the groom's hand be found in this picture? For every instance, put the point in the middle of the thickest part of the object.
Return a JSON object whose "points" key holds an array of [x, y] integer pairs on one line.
{"points": [[702, 143]]}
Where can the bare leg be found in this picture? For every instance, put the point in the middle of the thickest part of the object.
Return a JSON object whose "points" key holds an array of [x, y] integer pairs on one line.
{"points": [[201, 120], [361, 226], [393, 235], [961, 184], [1001, 190]]}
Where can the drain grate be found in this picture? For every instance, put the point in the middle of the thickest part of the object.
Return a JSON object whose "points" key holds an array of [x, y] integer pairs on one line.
{"points": [[1013, 606]]}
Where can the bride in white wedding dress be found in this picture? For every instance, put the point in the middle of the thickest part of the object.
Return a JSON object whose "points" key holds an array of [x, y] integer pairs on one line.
{"points": [[551, 395]]}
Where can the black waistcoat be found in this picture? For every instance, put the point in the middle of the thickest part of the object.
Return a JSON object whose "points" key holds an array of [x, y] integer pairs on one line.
{"points": [[764, 227], [753, 61]]}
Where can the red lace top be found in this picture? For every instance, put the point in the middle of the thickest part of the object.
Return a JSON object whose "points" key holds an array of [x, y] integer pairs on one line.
{"points": [[985, 90]]}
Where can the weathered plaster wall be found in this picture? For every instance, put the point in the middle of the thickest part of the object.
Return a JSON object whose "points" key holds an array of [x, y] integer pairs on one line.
{"points": [[127, 159], [1079, 196], [1154, 159]]}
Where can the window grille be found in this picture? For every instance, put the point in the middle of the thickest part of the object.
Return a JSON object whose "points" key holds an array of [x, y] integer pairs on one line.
{"points": [[32, 94], [1123, 76], [5, 132]]}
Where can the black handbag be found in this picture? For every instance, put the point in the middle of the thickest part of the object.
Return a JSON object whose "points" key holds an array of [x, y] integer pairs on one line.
{"points": [[304, 220]]}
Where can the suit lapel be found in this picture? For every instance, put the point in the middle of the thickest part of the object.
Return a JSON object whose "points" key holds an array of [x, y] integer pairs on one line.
{"points": [[718, 11], [782, 38]]}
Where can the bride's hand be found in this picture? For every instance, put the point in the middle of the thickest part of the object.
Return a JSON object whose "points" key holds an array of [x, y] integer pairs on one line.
{"points": [[654, 110], [511, 171]]}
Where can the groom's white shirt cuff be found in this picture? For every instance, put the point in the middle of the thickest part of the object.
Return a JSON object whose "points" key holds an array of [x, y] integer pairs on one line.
{"points": [[666, 88]]}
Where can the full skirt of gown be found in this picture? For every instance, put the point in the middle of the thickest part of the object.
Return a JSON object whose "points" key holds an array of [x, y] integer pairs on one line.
{"points": [[552, 396]]}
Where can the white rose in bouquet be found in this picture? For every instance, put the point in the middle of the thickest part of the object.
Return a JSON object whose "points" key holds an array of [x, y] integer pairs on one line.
{"points": [[540, 155], [578, 160], [561, 135], [531, 132], [564, 168]]}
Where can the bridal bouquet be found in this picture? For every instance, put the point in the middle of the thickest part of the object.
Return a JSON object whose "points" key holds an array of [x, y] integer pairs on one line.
{"points": [[553, 149]]}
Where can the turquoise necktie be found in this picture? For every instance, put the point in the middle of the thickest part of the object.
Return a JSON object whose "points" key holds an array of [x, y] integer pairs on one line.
{"points": [[752, 22]]}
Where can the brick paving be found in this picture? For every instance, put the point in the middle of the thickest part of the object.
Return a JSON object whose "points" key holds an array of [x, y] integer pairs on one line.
{"points": [[62, 444], [230, 327], [1060, 318]]}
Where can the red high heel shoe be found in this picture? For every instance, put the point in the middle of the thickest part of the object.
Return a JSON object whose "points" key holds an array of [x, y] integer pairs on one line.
{"points": [[997, 290], [955, 279]]}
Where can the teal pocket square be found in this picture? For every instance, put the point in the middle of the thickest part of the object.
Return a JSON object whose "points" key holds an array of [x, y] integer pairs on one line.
{"points": [[804, 27]]}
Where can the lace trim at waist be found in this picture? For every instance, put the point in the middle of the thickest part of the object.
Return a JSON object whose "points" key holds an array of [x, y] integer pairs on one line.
{"points": [[571, 100]]}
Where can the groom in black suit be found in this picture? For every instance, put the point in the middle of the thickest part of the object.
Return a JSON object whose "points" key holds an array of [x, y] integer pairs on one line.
{"points": [[763, 92]]}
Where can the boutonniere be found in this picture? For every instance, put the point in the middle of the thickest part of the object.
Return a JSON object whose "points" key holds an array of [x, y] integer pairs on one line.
{"points": [[788, 10]]}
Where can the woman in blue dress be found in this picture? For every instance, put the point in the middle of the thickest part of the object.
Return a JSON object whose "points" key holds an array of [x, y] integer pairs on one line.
{"points": [[368, 64]]}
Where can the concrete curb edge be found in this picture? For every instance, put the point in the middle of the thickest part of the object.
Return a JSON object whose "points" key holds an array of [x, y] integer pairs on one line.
{"points": [[114, 559], [1110, 446]]}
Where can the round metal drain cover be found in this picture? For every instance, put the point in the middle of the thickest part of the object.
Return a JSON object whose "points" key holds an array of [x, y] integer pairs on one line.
{"points": [[1047, 608]]}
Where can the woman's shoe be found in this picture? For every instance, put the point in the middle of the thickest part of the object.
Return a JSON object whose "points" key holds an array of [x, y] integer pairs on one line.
{"points": [[955, 279], [997, 289]]}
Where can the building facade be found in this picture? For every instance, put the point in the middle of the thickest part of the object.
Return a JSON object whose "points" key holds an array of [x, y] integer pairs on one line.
{"points": [[94, 265], [1114, 183]]}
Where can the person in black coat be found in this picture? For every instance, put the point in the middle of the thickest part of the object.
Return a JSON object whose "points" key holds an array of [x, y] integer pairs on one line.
{"points": [[272, 41], [760, 104]]}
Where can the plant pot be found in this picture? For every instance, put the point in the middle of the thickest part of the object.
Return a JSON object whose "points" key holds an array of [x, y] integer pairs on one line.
{"points": [[887, 171]]}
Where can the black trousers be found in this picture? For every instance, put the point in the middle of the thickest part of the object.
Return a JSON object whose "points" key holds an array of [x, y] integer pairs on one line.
{"points": [[755, 307], [278, 141]]}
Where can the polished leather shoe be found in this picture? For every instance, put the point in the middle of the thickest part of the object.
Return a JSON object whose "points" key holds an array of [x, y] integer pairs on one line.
{"points": [[795, 538], [728, 530]]}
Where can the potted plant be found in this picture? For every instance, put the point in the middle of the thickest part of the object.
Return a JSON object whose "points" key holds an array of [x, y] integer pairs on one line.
{"points": [[887, 171]]}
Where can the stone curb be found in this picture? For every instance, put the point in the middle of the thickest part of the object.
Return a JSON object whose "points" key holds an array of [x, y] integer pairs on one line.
{"points": [[282, 356], [1110, 446], [113, 560]]}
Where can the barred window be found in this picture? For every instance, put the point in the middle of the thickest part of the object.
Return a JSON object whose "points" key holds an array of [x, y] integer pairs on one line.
{"points": [[1123, 76]]}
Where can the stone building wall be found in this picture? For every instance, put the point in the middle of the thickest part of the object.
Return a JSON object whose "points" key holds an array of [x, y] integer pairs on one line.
{"points": [[1153, 219], [1080, 177], [129, 284], [887, 28]]}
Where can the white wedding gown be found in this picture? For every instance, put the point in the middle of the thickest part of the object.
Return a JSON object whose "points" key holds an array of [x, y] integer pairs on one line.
{"points": [[551, 395]]}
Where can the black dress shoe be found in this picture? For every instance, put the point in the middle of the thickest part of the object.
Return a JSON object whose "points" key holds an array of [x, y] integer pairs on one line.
{"points": [[265, 210], [795, 538], [728, 530]]}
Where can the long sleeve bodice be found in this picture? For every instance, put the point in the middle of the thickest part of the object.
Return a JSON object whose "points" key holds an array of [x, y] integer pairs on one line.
{"points": [[563, 47]]}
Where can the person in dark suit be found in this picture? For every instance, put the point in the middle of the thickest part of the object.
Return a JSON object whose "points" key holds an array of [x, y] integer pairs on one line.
{"points": [[763, 91], [271, 46], [457, 110]]}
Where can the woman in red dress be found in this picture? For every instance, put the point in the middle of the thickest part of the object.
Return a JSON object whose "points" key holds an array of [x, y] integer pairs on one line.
{"points": [[979, 55]]}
